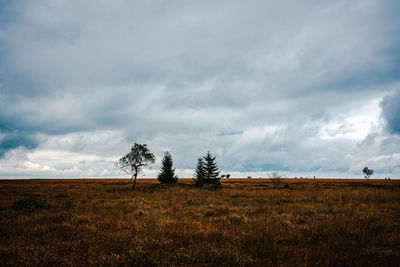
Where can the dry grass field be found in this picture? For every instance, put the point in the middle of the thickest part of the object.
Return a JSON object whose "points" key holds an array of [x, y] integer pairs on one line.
{"points": [[248, 223]]}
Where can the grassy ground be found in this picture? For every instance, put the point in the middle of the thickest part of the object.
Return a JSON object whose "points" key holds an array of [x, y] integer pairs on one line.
{"points": [[102, 222]]}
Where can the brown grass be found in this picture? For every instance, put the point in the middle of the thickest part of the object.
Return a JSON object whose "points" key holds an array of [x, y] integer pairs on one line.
{"points": [[102, 222]]}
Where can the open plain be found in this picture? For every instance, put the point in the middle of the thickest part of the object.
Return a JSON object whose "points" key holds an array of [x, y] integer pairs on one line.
{"points": [[306, 222]]}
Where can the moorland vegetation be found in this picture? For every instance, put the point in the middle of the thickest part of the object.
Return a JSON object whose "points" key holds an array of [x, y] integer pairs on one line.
{"points": [[305, 222]]}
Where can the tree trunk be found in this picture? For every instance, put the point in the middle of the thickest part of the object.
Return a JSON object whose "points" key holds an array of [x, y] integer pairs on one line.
{"points": [[134, 181]]}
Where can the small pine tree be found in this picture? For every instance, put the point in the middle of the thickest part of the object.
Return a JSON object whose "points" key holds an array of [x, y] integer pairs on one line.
{"points": [[199, 173], [210, 167], [207, 173], [167, 173]]}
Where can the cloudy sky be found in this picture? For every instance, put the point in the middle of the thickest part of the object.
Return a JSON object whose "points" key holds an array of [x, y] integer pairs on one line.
{"points": [[304, 87]]}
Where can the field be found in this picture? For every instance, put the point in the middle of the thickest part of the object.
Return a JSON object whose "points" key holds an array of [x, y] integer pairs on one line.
{"points": [[306, 222]]}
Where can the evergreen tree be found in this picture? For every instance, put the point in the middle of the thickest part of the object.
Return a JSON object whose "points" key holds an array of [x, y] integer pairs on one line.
{"points": [[206, 173], [211, 170], [167, 173], [199, 173]]}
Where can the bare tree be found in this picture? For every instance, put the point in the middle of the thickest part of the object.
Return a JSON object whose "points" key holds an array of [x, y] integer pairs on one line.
{"points": [[276, 178], [133, 162]]}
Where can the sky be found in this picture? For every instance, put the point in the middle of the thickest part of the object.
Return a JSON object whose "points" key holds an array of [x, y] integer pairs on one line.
{"points": [[307, 88]]}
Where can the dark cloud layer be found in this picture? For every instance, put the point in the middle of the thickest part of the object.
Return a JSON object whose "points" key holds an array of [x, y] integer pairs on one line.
{"points": [[391, 112], [12, 140]]}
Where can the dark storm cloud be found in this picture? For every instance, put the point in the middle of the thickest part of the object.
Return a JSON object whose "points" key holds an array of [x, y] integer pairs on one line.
{"points": [[14, 135], [391, 112], [16, 139]]}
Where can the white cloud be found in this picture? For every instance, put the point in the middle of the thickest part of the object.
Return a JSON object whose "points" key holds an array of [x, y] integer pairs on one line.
{"points": [[356, 124]]}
